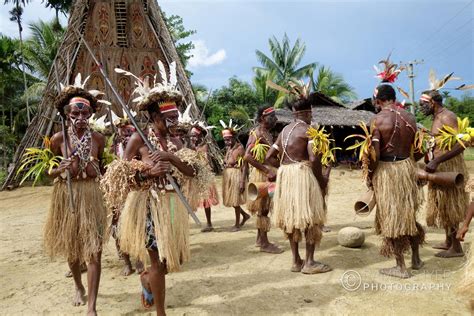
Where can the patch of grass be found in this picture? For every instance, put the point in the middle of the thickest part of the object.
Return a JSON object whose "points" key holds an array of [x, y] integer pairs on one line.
{"points": [[3, 175], [469, 154]]}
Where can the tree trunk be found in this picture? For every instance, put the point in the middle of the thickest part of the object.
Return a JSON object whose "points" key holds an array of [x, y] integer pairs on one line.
{"points": [[24, 73]]}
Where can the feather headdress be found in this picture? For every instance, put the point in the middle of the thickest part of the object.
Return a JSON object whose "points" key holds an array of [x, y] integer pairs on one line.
{"points": [[390, 71], [162, 92], [77, 89], [229, 129], [297, 89], [437, 84]]}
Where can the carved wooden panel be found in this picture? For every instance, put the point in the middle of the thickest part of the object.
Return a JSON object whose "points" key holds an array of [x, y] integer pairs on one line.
{"points": [[138, 53]]}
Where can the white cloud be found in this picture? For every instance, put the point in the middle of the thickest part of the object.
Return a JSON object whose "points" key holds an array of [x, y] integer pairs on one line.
{"points": [[203, 58]]}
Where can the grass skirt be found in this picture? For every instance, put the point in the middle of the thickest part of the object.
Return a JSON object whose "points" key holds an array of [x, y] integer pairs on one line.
{"points": [[398, 198], [298, 203], [171, 226], [261, 204], [78, 235], [231, 195], [467, 283], [446, 207], [212, 197]]}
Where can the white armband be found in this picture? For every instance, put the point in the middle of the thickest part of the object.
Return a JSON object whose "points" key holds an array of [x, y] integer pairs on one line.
{"points": [[311, 142], [376, 140], [276, 147]]}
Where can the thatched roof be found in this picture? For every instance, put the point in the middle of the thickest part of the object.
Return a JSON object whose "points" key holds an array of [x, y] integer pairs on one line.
{"points": [[329, 115], [359, 104]]}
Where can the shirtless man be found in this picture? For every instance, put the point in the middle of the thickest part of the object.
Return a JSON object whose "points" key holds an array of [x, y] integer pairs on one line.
{"points": [[233, 195], [393, 178], [300, 188], [446, 207], [164, 118], [260, 172], [197, 139], [77, 234]]}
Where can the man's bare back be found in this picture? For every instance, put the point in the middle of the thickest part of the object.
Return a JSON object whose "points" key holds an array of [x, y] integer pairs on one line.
{"points": [[395, 128]]}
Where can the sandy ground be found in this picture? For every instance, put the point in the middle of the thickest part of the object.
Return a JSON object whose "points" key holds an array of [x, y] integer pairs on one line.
{"points": [[227, 275]]}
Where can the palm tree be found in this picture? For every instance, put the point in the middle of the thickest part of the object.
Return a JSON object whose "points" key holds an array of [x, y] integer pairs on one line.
{"points": [[266, 94], [62, 6], [332, 85], [40, 50], [285, 60], [42, 46], [16, 14]]}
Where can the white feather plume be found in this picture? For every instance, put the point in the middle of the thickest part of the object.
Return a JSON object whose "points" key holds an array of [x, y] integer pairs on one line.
{"points": [[164, 77], [173, 77]]}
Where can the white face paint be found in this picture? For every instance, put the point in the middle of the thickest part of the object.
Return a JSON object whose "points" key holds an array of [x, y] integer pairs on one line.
{"points": [[79, 114]]}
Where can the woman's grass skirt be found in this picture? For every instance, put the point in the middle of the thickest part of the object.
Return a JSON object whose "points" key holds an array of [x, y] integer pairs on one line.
{"points": [[79, 235], [171, 224], [446, 207], [231, 196], [212, 198], [298, 203]]}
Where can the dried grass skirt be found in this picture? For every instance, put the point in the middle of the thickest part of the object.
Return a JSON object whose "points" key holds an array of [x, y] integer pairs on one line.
{"points": [[446, 207], [78, 235], [398, 198], [298, 203], [171, 224], [231, 195]]}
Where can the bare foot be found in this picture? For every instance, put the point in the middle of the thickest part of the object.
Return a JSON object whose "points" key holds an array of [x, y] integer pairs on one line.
{"points": [[271, 248], [92, 313], [258, 243], [417, 264], [315, 267], [235, 229], [139, 267], [395, 272], [296, 267], [207, 229], [79, 297], [245, 218], [127, 270], [83, 269], [443, 246], [450, 253]]}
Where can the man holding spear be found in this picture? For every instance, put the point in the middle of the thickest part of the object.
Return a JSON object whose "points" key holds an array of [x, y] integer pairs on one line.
{"points": [[76, 223], [154, 218]]}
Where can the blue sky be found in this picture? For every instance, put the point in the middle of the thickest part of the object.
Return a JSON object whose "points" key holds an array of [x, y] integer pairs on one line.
{"points": [[348, 36]]}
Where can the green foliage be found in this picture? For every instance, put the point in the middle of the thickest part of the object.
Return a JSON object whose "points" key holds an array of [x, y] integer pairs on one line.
{"points": [[281, 67], [42, 46], [38, 162], [463, 107], [178, 33], [238, 100], [332, 85]]}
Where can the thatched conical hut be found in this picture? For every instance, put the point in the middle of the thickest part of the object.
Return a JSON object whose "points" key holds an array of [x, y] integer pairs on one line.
{"points": [[130, 34]]}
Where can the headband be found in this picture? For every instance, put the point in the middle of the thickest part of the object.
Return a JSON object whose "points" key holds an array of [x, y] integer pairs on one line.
{"points": [[79, 100], [227, 133], [270, 110], [196, 130], [426, 98], [168, 107]]}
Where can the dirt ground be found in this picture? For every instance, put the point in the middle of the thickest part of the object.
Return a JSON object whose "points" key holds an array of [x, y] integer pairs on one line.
{"points": [[227, 275]]}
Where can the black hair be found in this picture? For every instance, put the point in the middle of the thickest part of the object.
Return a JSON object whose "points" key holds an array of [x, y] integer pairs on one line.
{"points": [[385, 92], [260, 111], [435, 95], [301, 104]]}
